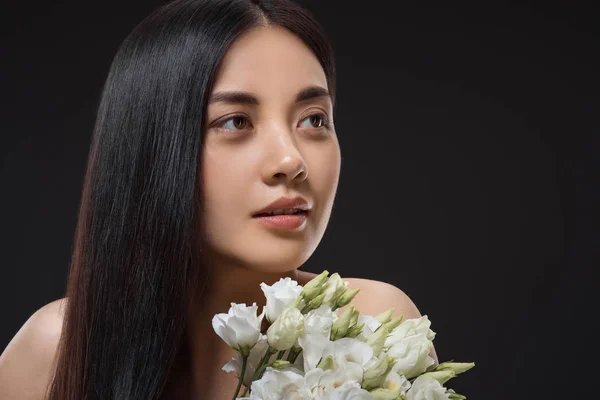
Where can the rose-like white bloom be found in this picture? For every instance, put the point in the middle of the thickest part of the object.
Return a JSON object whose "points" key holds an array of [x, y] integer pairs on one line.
{"points": [[409, 327], [347, 391], [412, 355], [315, 337], [278, 385], [256, 354], [426, 389], [333, 288], [410, 344], [240, 327], [284, 332], [351, 350], [279, 296], [350, 357], [325, 384]]}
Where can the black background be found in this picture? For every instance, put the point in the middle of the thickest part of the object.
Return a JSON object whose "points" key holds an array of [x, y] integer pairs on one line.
{"points": [[469, 141]]}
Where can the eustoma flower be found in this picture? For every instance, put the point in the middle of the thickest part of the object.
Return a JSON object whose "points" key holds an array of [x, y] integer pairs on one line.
{"points": [[240, 327], [279, 296], [323, 356]]}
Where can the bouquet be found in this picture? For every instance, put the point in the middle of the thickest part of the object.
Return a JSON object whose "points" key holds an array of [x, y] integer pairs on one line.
{"points": [[309, 352]]}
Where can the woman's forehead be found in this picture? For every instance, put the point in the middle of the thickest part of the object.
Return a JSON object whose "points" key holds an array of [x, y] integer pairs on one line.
{"points": [[269, 59]]}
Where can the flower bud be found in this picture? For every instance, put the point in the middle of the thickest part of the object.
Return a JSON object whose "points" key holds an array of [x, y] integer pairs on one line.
{"points": [[354, 331], [458, 368], [282, 334], [375, 375], [327, 363], [347, 297], [313, 288], [333, 289], [385, 316], [452, 395], [340, 327], [377, 339], [314, 303], [391, 325], [279, 364], [440, 376]]}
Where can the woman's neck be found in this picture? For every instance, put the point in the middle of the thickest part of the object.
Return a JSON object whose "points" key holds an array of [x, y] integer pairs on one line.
{"points": [[205, 351]]}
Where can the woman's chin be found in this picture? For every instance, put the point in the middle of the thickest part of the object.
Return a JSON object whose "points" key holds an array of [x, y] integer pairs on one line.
{"points": [[279, 263], [266, 254]]}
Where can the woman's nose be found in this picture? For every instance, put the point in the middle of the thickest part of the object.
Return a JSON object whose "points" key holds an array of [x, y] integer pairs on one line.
{"points": [[285, 162]]}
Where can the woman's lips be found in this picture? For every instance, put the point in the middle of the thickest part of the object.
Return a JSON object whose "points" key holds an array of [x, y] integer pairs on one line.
{"points": [[283, 221]]}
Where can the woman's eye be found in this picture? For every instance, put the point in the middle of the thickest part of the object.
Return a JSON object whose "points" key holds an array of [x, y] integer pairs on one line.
{"points": [[240, 122], [318, 121], [236, 122]]}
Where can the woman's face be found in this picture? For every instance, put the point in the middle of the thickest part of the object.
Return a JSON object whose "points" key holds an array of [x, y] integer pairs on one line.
{"points": [[266, 145]]}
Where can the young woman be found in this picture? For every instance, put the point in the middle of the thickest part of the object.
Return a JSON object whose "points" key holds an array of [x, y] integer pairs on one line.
{"points": [[216, 116]]}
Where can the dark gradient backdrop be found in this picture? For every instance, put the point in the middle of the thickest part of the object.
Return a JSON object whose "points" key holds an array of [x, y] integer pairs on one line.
{"points": [[469, 139]]}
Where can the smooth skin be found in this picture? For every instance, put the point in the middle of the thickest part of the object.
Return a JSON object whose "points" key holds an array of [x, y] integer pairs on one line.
{"points": [[253, 153]]}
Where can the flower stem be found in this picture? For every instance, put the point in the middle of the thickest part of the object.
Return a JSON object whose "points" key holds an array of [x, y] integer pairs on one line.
{"points": [[294, 356], [245, 391], [291, 355], [242, 375], [259, 368], [280, 354]]}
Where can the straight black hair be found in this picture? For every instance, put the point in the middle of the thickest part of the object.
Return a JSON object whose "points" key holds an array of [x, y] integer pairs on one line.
{"points": [[137, 262]]}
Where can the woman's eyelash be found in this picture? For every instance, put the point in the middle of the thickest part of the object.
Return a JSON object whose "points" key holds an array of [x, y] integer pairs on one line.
{"points": [[326, 124]]}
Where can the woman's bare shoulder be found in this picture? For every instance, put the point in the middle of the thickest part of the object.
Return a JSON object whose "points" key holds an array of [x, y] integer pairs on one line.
{"points": [[27, 363], [374, 296]]}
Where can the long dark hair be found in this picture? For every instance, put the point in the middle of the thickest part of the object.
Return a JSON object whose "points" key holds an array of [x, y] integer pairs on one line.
{"points": [[137, 260]]}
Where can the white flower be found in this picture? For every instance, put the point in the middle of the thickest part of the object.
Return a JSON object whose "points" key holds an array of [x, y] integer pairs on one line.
{"points": [[279, 296], [426, 389], [408, 327], [284, 332], [412, 355], [240, 327], [315, 337], [324, 384], [350, 357], [256, 354], [410, 344], [346, 391], [278, 385]]}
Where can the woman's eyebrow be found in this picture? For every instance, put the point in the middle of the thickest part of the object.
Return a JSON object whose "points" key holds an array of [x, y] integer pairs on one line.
{"points": [[238, 97]]}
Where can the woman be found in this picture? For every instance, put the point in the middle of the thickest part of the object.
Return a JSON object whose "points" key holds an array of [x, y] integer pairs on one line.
{"points": [[215, 114]]}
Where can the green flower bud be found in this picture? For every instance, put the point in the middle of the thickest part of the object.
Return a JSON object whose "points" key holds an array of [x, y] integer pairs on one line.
{"points": [[313, 288], [458, 368], [316, 302], [377, 339], [354, 331], [393, 324], [375, 375], [340, 327], [347, 297], [385, 316], [333, 289], [455, 396], [278, 364], [440, 376], [327, 363]]}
